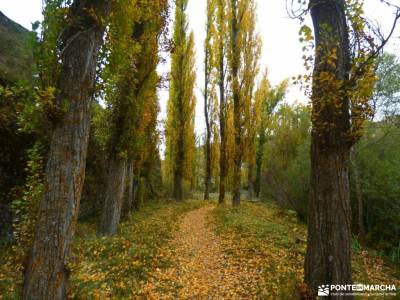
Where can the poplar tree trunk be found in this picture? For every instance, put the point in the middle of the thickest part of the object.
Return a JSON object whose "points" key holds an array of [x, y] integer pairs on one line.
{"points": [[223, 169], [124, 113], [207, 179], [178, 190], [328, 257], [46, 273], [237, 168], [250, 187], [141, 192], [130, 186], [259, 159], [222, 122], [208, 164], [181, 118], [128, 203], [114, 196], [135, 191], [178, 172], [179, 156]]}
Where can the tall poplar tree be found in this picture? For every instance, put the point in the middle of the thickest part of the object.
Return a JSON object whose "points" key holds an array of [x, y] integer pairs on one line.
{"points": [[130, 75], [46, 272], [180, 136], [235, 64], [208, 67], [220, 48], [342, 85], [266, 99], [328, 259], [242, 60], [248, 73]]}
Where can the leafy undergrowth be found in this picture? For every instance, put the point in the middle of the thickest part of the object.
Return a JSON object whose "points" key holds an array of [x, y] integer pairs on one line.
{"points": [[111, 267], [10, 271], [264, 235]]}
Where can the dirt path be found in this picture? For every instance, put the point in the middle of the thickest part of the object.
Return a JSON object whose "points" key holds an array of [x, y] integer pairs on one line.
{"points": [[201, 268]]}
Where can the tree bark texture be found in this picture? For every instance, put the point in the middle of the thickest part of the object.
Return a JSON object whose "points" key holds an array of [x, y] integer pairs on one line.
{"points": [[114, 196], [259, 159], [250, 182], [208, 167], [178, 180], [328, 257], [128, 203], [46, 271]]}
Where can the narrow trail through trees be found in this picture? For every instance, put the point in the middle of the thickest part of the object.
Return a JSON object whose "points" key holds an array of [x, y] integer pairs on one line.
{"points": [[202, 268]]}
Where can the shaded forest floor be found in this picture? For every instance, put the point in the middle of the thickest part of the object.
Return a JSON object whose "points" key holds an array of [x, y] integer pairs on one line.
{"points": [[194, 250]]}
